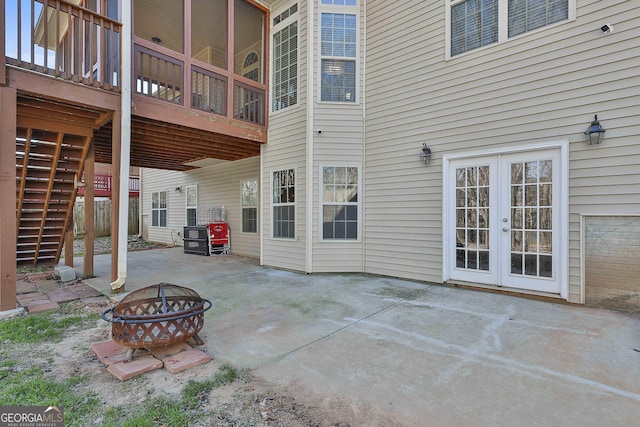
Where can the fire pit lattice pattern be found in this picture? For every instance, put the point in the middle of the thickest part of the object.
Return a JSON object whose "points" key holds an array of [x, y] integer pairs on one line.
{"points": [[156, 316]]}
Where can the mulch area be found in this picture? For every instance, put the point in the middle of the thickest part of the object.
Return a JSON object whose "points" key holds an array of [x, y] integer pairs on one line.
{"points": [[38, 292]]}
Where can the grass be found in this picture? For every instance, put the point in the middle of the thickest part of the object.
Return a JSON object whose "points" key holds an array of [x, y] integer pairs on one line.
{"points": [[29, 387], [195, 392], [163, 411], [24, 381], [37, 328]]}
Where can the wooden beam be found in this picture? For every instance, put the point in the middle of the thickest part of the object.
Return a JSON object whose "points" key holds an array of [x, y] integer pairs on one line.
{"points": [[3, 64], [53, 125], [8, 112], [175, 114], [89, 226], [68, 244], [23, 179], [47, 199], [62, 90], [78, 178]]}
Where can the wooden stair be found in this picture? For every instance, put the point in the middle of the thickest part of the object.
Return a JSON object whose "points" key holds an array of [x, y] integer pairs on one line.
{"points": [[48, 166]]}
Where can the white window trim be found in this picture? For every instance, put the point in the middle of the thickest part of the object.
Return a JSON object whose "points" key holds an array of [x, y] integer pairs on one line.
{"points": [[256, 207], [274, 29], [503, 28], [186, 203], [321, 202], [352, 10], [294, 204]]}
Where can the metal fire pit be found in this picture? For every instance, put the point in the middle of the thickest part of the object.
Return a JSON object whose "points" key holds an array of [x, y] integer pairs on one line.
{"points": [[156, 316]]}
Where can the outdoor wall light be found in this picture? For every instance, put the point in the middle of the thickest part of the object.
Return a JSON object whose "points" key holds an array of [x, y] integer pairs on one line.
{"points": [[595, 133], [156, 40], [179, 189], [425, 154]]}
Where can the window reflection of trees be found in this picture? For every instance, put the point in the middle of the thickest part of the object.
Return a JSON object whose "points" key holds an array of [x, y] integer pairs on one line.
{"points": [[531, 218], [472, 218]]}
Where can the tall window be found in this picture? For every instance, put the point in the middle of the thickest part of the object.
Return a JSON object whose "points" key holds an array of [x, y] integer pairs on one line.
{"points": [[338, 50], [159, 209], [284, 218], [476, 23], [192, 204], [339, 203], [285, 59], [250, 206]]}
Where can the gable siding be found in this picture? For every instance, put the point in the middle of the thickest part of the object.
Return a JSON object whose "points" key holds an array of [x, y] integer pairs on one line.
{"points": [[287, 149], [540, 87], [218, 186]]}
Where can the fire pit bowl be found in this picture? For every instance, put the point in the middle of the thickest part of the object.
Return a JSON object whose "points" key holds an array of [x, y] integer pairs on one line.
{"points": [[156, 316]]}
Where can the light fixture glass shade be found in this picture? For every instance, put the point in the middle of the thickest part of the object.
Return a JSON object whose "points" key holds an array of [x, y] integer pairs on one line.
{"points": [[595, 133]]}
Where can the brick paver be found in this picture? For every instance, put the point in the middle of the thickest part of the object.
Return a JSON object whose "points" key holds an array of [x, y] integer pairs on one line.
{"points": [[41, 305], [138, 366], [61, 295]]}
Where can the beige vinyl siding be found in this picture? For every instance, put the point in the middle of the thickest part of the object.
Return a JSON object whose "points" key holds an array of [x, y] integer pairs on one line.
{"points": [[540, 87], [339, 144], [286, 149], [218, 185]]}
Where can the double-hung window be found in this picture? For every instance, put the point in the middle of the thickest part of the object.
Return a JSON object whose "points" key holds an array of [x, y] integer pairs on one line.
{"points": [[159, 209], [338, 50], [250, 206], [285, 59], [284, 208], [192, 204], [475, 23], [340, 188]]}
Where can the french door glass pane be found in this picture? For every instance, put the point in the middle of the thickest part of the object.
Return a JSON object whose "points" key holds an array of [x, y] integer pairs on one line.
{"points": [[531, 218], [472, 218]]}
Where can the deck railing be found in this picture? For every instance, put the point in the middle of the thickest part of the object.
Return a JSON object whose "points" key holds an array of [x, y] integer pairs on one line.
{"points": [[102, 186], [63, 40], [160, 74]]}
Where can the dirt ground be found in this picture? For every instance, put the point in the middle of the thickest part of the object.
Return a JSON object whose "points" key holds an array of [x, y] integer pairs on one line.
{"points": [[248, 401]]}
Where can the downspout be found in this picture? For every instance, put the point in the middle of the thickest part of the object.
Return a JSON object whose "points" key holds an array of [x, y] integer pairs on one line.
{"points": [[310, 134], [364, 135], [125, 123], [140, 203]]}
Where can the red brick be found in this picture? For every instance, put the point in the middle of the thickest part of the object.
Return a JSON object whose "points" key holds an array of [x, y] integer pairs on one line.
{"points": [[109, 352], [138, 366], [25, 287], [170, 350], [61, 295], [25, 299], [83, 291], [40, 306], [185, 360]]}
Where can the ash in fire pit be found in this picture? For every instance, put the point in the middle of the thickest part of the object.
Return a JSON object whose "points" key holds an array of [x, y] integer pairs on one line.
{"points": [[157, 316]]}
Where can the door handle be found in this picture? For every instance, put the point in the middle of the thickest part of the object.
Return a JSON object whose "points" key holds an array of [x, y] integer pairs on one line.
{"points": [[505, 229]]}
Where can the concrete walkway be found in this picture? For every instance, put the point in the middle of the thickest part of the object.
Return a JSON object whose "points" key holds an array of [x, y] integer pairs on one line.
{"points": [[421, 354]]}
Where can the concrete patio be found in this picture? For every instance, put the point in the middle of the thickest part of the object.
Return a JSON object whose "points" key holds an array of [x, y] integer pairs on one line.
{"points": [[421, 354]]}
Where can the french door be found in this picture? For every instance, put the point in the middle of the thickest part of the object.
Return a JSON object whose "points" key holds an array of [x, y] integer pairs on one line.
{"points": [[504, 215]]}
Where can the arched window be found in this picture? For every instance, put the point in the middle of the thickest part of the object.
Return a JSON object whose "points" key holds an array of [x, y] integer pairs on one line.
{"points": [[251, 67]]}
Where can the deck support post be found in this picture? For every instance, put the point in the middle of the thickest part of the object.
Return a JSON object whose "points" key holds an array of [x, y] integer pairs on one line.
{"points": [[89, 209], [68, 244], [8, 243]]}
